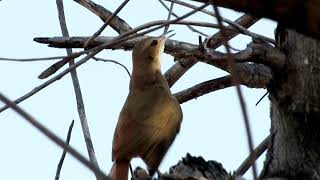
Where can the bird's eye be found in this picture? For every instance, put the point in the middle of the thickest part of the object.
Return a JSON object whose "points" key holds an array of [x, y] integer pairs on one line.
{"points": [[154, 43]]}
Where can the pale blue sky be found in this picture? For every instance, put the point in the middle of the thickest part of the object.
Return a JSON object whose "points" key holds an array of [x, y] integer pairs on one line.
{"points": [[212, 126]]}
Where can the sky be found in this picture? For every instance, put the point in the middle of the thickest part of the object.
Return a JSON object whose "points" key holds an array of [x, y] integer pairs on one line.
{"points": [[212, 126]]}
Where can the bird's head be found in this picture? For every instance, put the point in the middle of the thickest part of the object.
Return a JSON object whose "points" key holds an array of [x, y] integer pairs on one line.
{"points": [[147, 53]]}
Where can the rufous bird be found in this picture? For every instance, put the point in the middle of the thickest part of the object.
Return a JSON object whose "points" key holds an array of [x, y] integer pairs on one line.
{"points": [[151, 116]]}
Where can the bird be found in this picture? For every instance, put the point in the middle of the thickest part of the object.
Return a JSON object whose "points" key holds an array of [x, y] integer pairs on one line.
{"points": [[151, 116]]}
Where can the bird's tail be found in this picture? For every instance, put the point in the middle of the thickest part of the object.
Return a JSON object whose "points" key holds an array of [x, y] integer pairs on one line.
{"points": [[119, 170]]}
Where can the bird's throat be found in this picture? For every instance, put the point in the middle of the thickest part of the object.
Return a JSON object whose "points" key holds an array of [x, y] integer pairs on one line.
{"points": [[146, 80]]}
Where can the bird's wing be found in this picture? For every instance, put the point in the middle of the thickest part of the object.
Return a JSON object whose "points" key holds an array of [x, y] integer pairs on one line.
{"points": [[142, 123]]}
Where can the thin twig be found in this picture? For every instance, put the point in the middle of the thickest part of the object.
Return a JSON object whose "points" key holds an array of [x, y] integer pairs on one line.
{"points": [[247, 163], [175, 15], [64, 153], [262, 98], [90, 55], [231, 23], [113, 61], [77, 89], [166, 28], [235, 78], [48, 133], [32, 59], [118, 24], [96, 34]]}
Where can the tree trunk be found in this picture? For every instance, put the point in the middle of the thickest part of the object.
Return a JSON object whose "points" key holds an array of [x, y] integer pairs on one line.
{"points": [[294, 151]]}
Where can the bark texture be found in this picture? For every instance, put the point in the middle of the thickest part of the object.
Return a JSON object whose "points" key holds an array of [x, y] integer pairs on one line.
{"points": [[295, 110]]}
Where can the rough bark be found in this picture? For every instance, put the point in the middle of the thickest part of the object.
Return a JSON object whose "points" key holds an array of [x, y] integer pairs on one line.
{"points": [[295, 110]]}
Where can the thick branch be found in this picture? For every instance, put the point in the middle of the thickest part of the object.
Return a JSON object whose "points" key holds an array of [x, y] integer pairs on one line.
{"points": [[255, 52], [250, 75], [204, 88], [302, 16], [259, 53]]}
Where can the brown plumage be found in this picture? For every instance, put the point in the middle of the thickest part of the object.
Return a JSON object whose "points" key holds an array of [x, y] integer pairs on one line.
{"points": [[151, 116]]}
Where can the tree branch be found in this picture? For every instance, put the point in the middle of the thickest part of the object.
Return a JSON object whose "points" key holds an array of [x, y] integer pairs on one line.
{"points": [[77, 90], [204, 88], [243, 168], [64, 153], [116, 23], [107, 22], [175, 15], [250, 75]]}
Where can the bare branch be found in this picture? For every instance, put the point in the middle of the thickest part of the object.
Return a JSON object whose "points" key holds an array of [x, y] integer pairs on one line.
{"points": [[78, 43], [44, 130], [175, 15], [170, 11], [77, 90], [265, 94], [204, 88], [113, 61], [32, 59], [247, 163], [250, 75], [245, 21], [47, 83], [236, 80], [64, 153], [116, 23], [255, 52], [96, 34]]}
